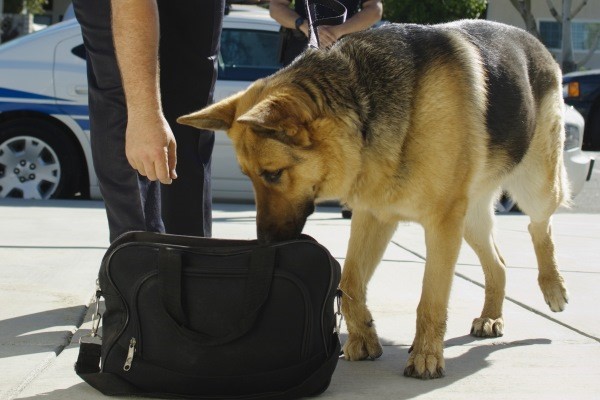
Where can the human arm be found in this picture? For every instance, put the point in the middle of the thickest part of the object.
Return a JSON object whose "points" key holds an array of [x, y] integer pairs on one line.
{"points": [[150, 146], [369, 14], [281, 12]]}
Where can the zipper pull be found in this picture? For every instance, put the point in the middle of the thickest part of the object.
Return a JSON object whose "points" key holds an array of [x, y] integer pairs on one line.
{"points": [[130, 353]]}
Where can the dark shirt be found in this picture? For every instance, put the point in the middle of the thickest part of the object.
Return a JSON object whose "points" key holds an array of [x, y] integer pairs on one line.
{"points": [[294, 42], [351, 5]]}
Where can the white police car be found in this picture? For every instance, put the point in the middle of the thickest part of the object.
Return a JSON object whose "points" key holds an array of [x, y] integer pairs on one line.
{"points": [[44, 123]]}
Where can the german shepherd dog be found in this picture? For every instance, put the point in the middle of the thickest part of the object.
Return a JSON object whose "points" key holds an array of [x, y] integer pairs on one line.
{"points": [[409, 123]]}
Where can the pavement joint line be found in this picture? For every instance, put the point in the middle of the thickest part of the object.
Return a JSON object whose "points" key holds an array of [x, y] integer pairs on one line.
{"points": [[14, 392], [515, 301], [570, 271], [533, 310]]}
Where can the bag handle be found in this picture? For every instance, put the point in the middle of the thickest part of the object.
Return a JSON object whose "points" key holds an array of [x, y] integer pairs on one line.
{"points": [[258, 285], [314, 19]]}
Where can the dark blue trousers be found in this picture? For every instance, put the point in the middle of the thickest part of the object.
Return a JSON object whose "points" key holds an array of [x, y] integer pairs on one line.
{"points": [[189, 42]]}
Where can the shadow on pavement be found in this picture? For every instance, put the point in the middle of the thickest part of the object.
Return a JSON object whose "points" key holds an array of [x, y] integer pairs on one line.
{"points": [[383, 378], [373, 379], [377, 379], [36, 333]]}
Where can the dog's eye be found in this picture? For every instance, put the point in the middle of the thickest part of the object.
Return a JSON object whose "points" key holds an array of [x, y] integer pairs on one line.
{"points": [[272, 177]]}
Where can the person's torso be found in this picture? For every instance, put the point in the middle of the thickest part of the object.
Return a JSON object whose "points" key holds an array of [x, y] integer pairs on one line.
{"points": [[351, 5]]}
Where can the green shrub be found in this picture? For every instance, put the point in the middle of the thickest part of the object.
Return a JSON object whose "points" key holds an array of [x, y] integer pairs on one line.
{"points": [[432, 11]]}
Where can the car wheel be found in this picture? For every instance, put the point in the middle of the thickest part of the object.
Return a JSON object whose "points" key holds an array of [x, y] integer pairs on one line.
{"points": [[346, 212], [37, 161]]}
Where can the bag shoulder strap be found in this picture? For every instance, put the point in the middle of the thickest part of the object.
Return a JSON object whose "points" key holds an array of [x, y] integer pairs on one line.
{"points": [[337, 15]]}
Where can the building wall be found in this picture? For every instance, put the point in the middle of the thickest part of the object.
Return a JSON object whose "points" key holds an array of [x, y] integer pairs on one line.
{"points": [[504, 11]]}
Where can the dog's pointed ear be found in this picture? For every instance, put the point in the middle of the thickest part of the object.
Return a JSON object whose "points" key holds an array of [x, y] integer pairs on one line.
{"points": [[217, 117], [284, 117]]}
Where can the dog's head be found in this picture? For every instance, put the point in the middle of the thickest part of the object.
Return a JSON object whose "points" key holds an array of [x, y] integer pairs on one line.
{"points": [[281, 142]]}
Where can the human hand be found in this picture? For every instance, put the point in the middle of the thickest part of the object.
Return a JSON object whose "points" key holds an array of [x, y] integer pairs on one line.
{"points": [[150, 148], [304, 28], [327, 36]]}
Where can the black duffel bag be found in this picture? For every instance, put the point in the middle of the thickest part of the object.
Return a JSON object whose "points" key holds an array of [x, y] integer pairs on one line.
{"points": [[190, 317]]}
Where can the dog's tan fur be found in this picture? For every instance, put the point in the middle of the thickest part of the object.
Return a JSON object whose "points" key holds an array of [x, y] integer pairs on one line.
{"points": [[439, 172]]}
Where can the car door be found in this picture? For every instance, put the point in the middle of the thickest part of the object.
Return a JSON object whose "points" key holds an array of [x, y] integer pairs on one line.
{"points": [[70, 80], [249, 51]]}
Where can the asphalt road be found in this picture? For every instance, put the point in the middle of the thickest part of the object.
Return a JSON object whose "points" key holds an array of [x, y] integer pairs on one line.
{"points": [[588, 200]]}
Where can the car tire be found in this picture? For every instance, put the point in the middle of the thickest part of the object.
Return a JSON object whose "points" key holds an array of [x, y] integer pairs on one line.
{"points": [[506, 204], [346, 212], [37, 160]]}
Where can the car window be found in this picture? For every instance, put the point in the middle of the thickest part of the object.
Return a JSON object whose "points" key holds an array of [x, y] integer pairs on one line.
{"points": [[248, 55]]}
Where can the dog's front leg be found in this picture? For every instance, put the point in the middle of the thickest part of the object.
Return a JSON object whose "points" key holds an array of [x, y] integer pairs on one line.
{"points": [[369, 238], [443, 239]]}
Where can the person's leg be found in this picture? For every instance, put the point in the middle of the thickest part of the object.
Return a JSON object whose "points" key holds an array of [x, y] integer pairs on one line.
{"points": [[190, 33], [132, 202]]}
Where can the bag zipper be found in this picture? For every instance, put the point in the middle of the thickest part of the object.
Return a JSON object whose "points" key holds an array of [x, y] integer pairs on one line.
{"points": [[130, 354], [334, 296]]}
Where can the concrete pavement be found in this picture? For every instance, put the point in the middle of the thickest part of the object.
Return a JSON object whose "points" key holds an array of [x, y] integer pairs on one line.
{"points": [[50, 253]]}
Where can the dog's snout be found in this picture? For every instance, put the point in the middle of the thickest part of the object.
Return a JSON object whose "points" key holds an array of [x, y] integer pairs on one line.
{"points": [[266, 236], [277, 225]]}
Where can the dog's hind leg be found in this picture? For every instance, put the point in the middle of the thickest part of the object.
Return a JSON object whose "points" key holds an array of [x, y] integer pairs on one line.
{"points": [[369, 238], [479, 235], [539, 205], [443, 238], [550, 280], [539, 185]]}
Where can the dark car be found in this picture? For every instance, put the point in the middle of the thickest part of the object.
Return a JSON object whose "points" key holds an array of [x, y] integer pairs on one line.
{"points": [[582, 91]]}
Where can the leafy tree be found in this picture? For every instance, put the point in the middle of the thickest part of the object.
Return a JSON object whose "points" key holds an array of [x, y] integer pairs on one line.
{"points": [[10, 28], [568, 13], [524, 8], [432, 11], [564, 18]]}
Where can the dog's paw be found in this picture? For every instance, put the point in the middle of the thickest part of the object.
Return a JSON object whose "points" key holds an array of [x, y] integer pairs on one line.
{"points": [[555, 293], [361, 348], [425, 366], [487, 327]]}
